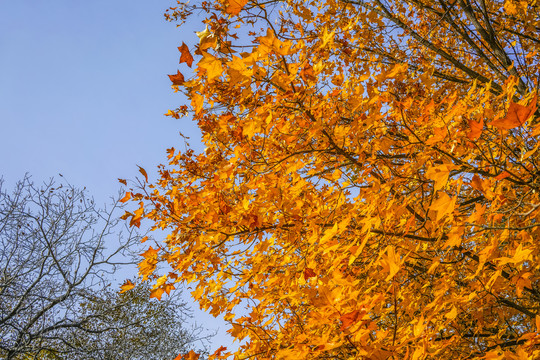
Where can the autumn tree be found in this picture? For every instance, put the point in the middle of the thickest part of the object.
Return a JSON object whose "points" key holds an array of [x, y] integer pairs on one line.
{"points": [[58, 255], [370, 183]]}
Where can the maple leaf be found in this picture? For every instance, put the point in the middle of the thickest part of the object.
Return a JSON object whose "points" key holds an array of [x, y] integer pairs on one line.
{"points": [[177, 79], [206, 39], [156, 293], [136, 216], [452, 314], [150, 253], [126, 197], [191, 355], [308, 273], [185, 55], [203, 35], [212, 65], [307, 73], [516, 116], [219, 351], [350, 318], [440, 175], [475, 129], [444, 205], [128, 285], [235, 6]]}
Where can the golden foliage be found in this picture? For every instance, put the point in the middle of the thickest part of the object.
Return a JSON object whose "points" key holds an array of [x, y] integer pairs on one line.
{"points": [[370, 183]]}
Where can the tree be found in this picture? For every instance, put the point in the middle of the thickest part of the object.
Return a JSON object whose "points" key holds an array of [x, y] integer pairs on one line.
{"points": [[370, 183], [135, 327], [57, 254]]}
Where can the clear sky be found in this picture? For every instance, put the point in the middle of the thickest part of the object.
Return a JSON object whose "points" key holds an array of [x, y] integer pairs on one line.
{"points": [[83, 90]]}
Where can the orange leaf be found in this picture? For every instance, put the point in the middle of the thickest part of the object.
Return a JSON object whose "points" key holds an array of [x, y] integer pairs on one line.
{"points": [[444, 205], [185, 56], [136, 217], [150, 252], [517, 115], [502, 175], [191, 355], [197, 102], [439, 174], [235, 6], [308, 273], [475, 129], [128, 285], [156, 293], [177, 79], [452, 314], [167, 288], [219, 351], [142, 171], [350, 318], [307, 73], [477, 183], [126, 197], [212, 65], [173, 114], [122, 181]]}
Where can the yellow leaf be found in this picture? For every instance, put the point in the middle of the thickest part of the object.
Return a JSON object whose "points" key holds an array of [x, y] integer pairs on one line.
{"points": [[269, 43], [444, 205], [397, 70], [419, 326], [440, 175], [393, 261], [452, 314], [197, 102], [327, 37], [212, 65], [202, 35], [510, 7]]}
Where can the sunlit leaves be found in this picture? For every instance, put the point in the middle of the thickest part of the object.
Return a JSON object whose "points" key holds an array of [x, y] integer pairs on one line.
{"points": [[148, 265], [516, 116], [439, 174], [212, 65], [369, 184]]}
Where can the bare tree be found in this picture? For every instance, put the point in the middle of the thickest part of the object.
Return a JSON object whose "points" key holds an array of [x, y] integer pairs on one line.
{"points": [[135, 327], [57, 253]]}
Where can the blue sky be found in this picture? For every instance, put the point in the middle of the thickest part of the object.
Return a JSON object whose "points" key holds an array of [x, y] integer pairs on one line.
{"points": [[83, 90]]}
